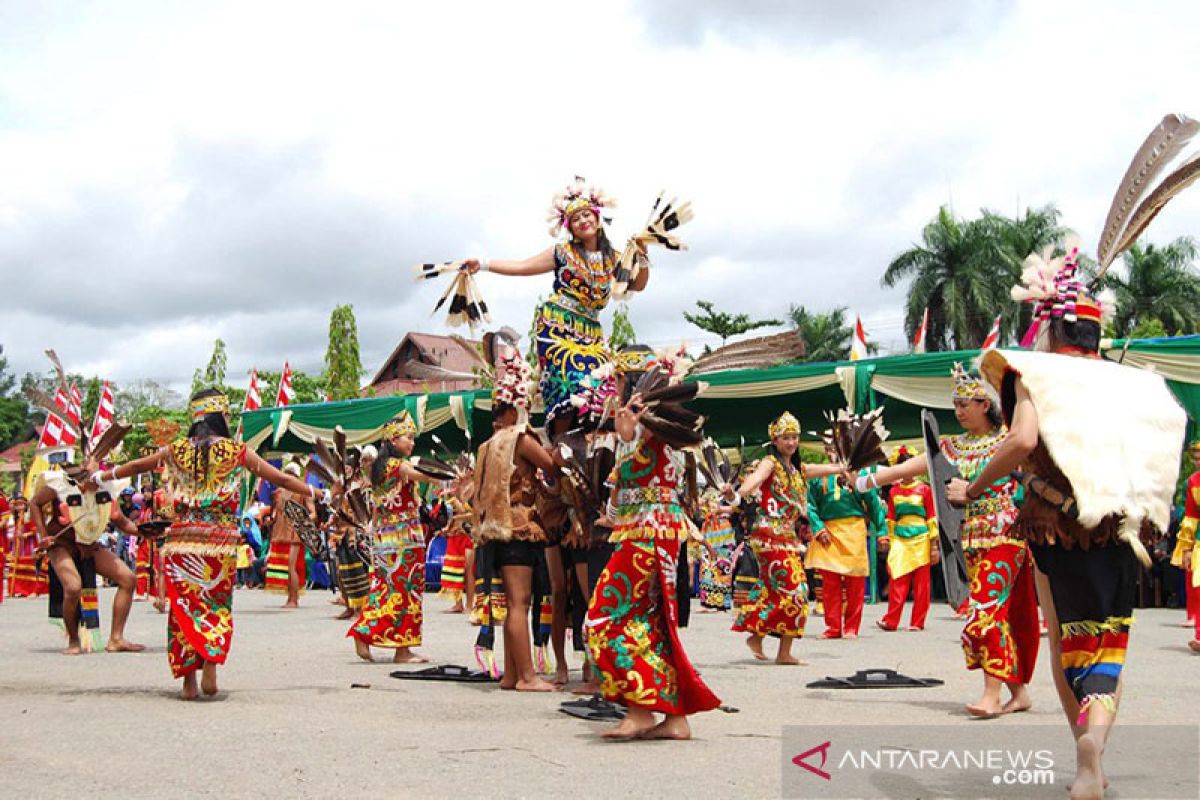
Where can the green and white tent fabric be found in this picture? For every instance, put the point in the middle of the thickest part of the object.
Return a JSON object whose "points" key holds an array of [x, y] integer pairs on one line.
{"points": [[739, 403]]}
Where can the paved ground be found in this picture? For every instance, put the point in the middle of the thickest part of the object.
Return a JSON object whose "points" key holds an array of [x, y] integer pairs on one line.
{"points": [[289, 722]]}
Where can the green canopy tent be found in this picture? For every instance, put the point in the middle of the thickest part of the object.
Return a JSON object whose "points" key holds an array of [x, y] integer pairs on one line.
{"points": [[739, 404]]}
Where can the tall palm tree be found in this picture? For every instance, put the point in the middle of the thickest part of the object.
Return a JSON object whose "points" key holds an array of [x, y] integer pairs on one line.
{"points": [[963, 270], [826, 335], [1158, 283]]}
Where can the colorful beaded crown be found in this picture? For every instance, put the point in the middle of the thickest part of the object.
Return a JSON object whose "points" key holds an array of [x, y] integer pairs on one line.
{"points": [[966, 385], [211, 404], [400, 425], [577, 197], [784, 425]]}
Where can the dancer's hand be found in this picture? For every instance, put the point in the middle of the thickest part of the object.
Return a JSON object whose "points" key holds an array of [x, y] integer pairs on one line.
{"points": [[935, 556], [885, 544], [824, 538], [956, 492], [471, 265]]}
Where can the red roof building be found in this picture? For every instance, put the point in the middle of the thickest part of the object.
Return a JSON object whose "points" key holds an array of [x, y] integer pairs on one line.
{"points": [[414, 366]]}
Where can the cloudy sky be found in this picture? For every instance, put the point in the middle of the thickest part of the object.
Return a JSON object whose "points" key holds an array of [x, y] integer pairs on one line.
{"points": [[171, 173]]}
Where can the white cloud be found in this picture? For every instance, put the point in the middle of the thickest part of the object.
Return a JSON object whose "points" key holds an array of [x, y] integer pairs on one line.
{"points": [[173, 174]]}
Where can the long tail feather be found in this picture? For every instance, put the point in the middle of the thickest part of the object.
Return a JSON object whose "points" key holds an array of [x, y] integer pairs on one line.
{"points": [[1161, 146], [1172, 185]]}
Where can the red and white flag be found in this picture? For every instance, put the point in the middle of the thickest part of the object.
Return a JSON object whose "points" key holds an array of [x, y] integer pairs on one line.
{"points": [[253, 399], [104, 413], [993, 337], [286, 396], [919, 339], [858, 343], [54, 432]]}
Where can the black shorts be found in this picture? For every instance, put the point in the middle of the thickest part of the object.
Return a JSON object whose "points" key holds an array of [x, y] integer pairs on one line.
{"points": [[518, 554]]}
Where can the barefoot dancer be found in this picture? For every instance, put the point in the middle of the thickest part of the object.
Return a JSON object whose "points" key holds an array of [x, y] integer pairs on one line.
{"points": [[1001, 632], [778, 603], [204, 472], [285, 559], [632, 620], [1099, 444], [716, 569], [392, 614], [456, 584], [911, 546], [76, 557], [506, 522]]}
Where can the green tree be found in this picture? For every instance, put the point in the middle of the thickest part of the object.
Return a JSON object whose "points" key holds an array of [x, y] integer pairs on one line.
{"points": [[343, 365], [1157, 283], [212, 376], [724, 324], [91, 401], [826, 334], [962, 272], [622, 328], [16, 424]]}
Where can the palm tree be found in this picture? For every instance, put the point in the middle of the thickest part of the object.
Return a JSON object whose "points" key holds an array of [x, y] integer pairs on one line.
{"points": [[826, 335], [1159, 283], [963, 270]]}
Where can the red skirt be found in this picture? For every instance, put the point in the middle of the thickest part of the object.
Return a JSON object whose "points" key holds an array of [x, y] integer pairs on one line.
{"points": [[391, 615], [454, 565], [1002, 630], [778, 603], [278, 569], [199, 575], [632, 632]]}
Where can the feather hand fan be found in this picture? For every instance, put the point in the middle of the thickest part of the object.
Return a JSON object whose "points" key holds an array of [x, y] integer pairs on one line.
{"points": [[665, 218], [856, 440]]}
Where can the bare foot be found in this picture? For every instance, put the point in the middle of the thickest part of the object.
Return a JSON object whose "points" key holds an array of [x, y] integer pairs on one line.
{"points": [[406, 656], [73, 649], [672, 727], [628, 729], [160, 605], [337, 600], [123, 645], [1089, 779], [916, 628], [535, 685], [790, 660], [189, 692], [208, 680], [291, 604], [831, 635], [851, 635], [587, 687], [562, 676], [1194, 645], [755, 645], [455, 609], [363, 650], [348, 613], [883, 626], [1021, 701], [985, 709], [507, 683]]}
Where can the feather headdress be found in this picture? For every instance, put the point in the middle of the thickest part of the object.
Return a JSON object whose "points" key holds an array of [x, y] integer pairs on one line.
{"points": [[577, 197], [760, 353], [1054, 285], [1057, 291]]}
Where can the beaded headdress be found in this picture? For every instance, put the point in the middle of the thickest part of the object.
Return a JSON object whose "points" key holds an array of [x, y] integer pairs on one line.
{"points": [[400, 425], [634, 358], [784, 425], [1057, 291], [211, 404], [577, 197], [597, 392], [966, 385]]}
